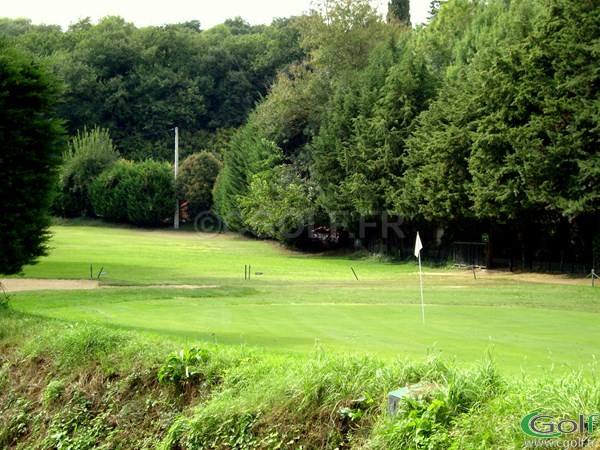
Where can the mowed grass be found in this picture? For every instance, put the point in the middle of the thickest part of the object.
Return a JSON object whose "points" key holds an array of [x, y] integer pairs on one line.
{"points": [[302, 302]]}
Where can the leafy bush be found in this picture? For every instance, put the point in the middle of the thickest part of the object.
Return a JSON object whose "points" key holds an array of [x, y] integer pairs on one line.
{"points": [[108, 193], [279, 203], [4, 297], [89, 154], [53, 392], [151, 198], [195, 181], [247, 154], [183, 366], [138, 193]]}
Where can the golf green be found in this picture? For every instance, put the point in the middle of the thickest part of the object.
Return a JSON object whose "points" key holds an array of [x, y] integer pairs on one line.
{"points": [[302, 301]]}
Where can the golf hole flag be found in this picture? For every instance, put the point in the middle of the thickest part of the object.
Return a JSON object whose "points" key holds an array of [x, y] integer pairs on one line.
{"points": [[418, 247]]}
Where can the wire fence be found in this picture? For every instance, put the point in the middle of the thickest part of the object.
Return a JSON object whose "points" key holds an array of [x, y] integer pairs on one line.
{"points": [[474, 254]]}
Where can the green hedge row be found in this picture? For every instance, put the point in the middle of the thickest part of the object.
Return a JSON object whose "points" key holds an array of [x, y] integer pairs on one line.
{"points": [[94, 181], [140, 193]]}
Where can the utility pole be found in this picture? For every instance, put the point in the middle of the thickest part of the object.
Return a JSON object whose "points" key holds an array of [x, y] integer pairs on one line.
{"points": [[176, 165]]}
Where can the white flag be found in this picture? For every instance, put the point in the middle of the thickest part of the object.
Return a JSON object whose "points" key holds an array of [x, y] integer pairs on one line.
{"points": [[418, 245]]}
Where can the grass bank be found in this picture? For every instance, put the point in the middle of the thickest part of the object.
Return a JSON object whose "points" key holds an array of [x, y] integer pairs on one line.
{"points": [[83, 386]]}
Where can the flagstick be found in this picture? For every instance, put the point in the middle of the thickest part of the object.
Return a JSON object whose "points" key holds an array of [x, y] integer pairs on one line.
{"points": [[421, 278]]}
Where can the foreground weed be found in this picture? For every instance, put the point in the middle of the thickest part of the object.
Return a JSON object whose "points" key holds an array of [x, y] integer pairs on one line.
{"points": [[184, 366], [4, 298], [76, 426], [78, 345], [53, 392], [14, 421]]}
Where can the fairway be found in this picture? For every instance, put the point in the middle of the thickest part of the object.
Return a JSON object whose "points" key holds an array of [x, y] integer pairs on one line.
{"points": [[301, 301]]}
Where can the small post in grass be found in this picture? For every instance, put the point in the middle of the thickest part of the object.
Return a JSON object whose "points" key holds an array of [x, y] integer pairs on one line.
{"points": [[100, 273], [593, 275], [394, 399], [176, 173], [91, 271], [354, 273]]}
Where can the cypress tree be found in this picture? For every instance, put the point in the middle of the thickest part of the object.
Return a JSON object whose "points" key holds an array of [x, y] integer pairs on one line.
{"points": [[32, 143]]}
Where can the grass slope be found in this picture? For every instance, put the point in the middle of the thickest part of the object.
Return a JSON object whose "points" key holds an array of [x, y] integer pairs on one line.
{"points": [[304, 300], [88, 386]]}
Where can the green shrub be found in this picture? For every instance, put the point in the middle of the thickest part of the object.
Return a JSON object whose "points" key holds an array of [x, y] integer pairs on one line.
{"points": [[89, 154], [137, 193], [151, 198], [184, 366], [195, 181], [53, 391], [108, 192], [279, 203], [424, 425], [4, 300], [248, 153]]}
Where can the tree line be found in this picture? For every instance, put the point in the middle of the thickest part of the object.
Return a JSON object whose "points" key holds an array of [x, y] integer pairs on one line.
{"points": [[480, 126], [140, 83], [107, 97], [120, 91]]}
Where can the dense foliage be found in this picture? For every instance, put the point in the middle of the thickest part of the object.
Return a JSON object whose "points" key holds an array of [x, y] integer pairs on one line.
{"points": [[483, 121], [399, 10], [136, 84], [32, 141], [89, 154], [195, 180], [140, 193], [141, 82], [480, 125]]}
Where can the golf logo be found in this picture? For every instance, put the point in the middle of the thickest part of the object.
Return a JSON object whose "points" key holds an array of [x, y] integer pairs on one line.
{"points": [[538, 425]]}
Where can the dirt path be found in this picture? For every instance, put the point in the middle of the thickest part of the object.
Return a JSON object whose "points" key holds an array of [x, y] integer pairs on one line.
{"points": [[29, 284], [516, 276]]}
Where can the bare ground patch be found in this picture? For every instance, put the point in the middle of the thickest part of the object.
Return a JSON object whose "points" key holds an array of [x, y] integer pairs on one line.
{"points": [[170, 286], [31, 284], [37, 284], [530, 277]]}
